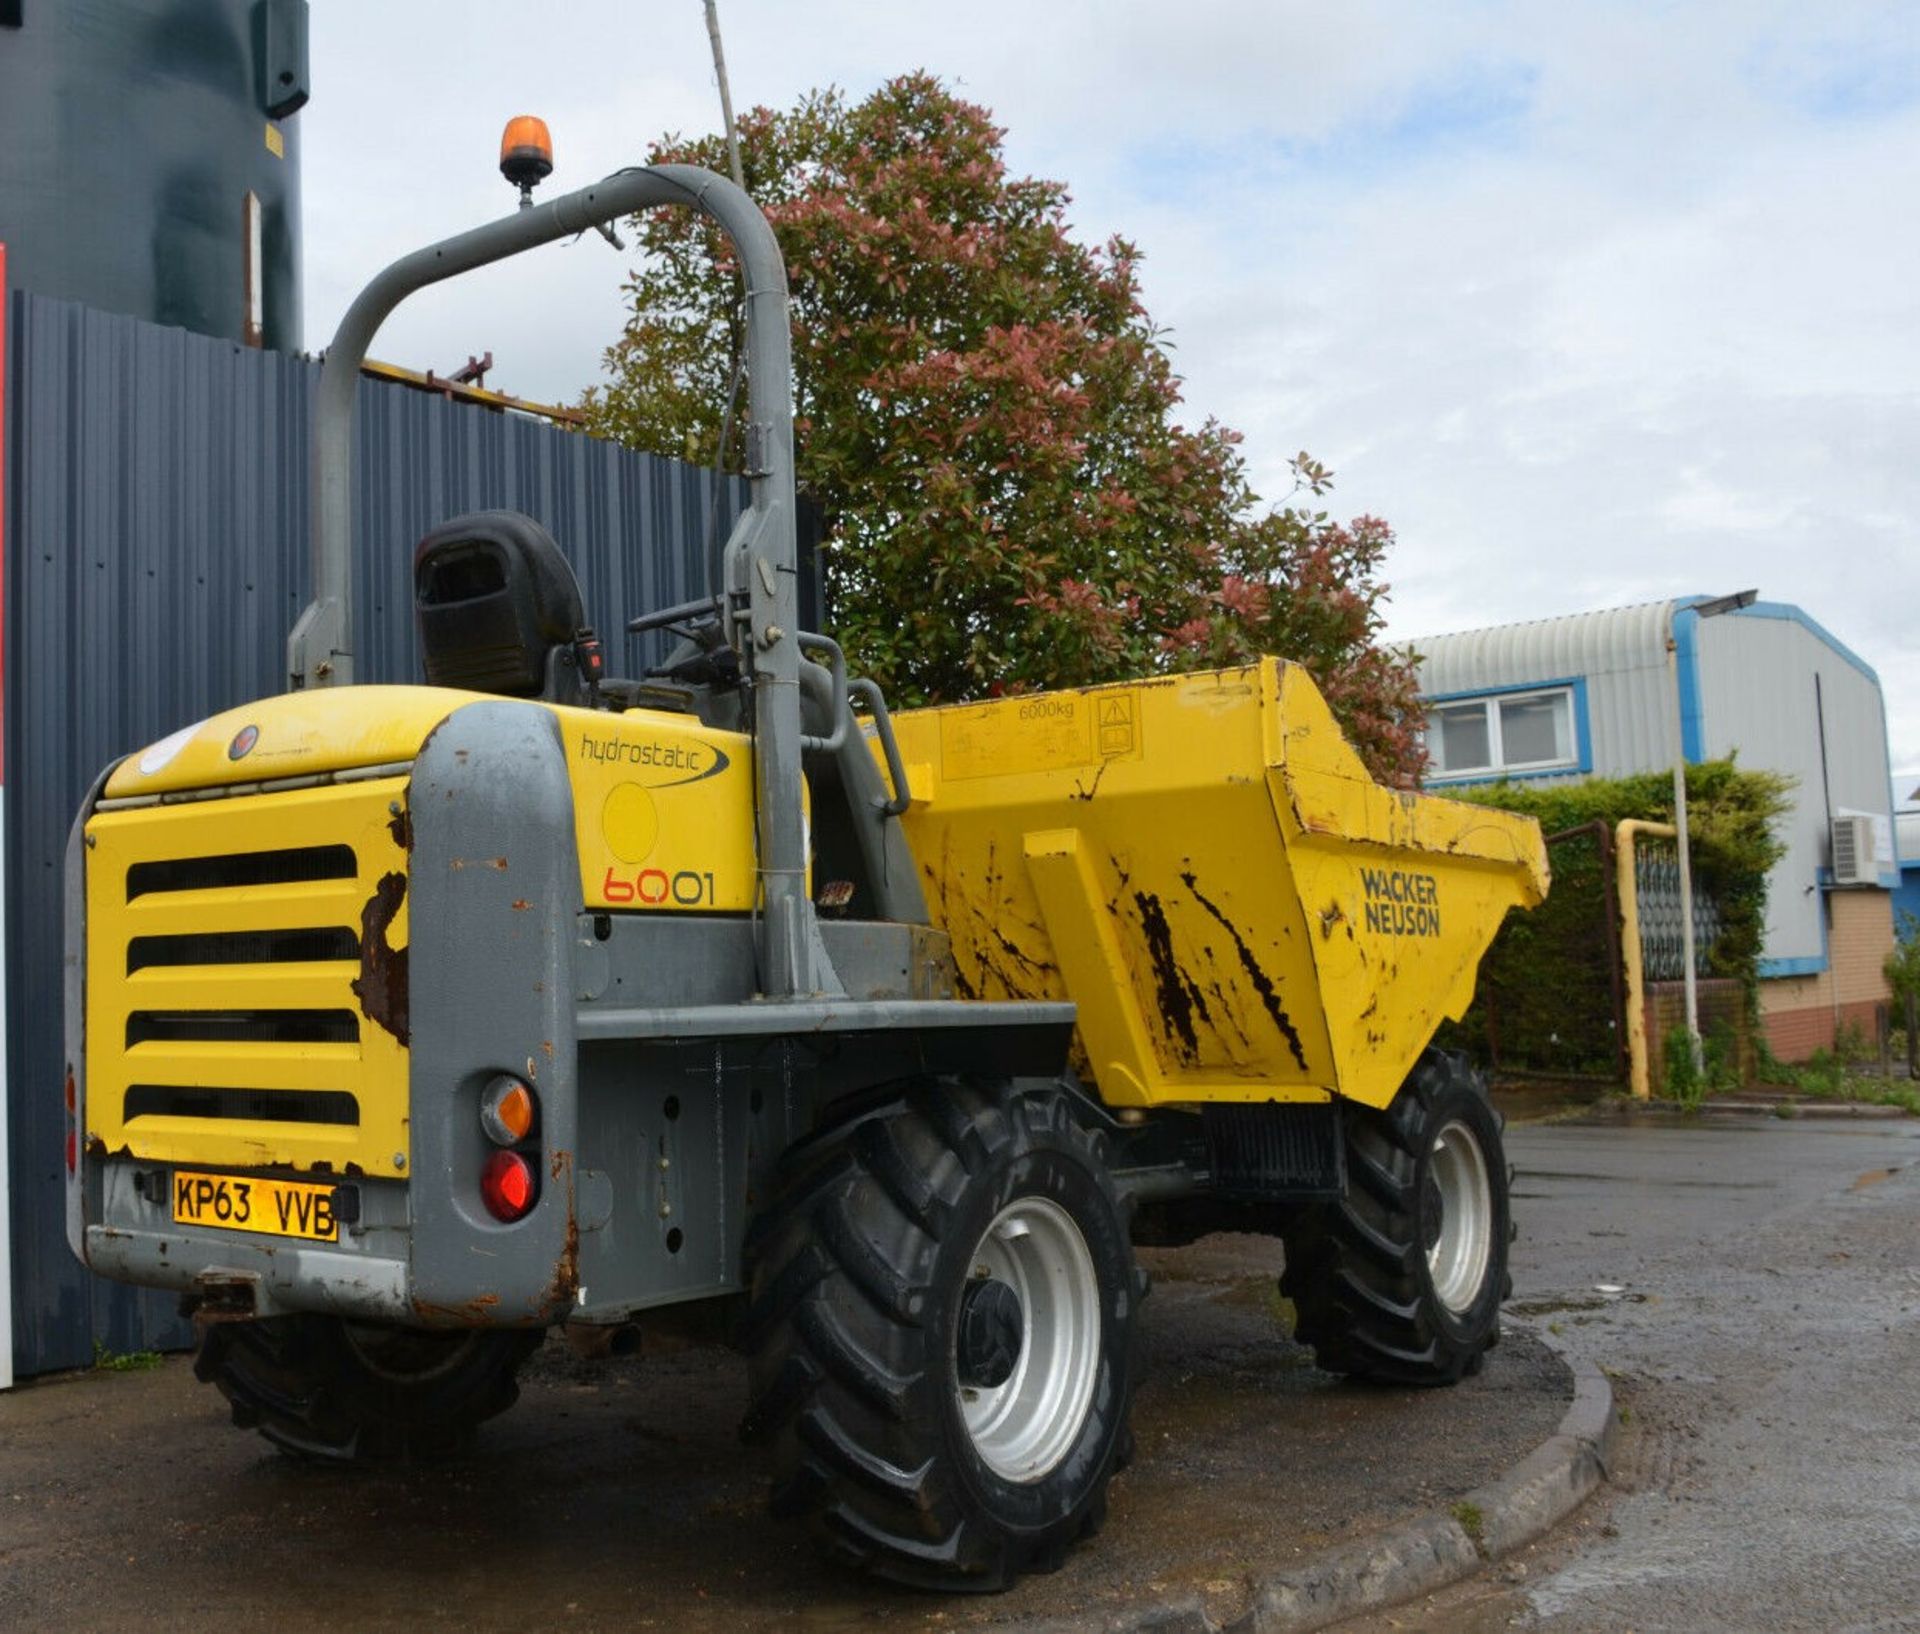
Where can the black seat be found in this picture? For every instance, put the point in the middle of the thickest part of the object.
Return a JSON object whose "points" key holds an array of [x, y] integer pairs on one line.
{"points": [[498, 608]]}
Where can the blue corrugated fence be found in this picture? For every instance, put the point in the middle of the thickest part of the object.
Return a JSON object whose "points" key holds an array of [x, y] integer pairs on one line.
{"points": [[156, 527]]}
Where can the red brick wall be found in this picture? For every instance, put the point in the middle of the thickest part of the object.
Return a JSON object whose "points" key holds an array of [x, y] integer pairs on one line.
{"points": [[1793, 1035], [1799, 1012]]}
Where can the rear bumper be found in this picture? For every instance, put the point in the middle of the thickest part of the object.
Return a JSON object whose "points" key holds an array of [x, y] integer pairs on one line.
{"points": [[131, 1236], [244, 1280]]}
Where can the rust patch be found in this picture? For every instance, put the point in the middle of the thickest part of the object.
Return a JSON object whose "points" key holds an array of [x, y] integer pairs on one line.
{"points": [[381, 986], [521, 904], [566, 1269], [498, 864], [470, 1313], [1262, 982], [401, 828], [1179, 997]]}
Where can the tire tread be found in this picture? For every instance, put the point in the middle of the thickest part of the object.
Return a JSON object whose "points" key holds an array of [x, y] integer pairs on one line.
{"points": [[843, 1387], [1355, 1275]]}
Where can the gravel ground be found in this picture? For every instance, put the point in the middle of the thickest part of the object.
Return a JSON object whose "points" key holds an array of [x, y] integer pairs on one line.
{"points": [[617, 1495]]}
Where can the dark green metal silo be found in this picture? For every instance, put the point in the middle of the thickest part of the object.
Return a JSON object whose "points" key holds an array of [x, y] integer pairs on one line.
{"points": [[150, 159]]}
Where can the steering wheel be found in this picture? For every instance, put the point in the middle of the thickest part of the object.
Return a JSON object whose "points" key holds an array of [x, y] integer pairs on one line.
{"points": [[693, 613]]}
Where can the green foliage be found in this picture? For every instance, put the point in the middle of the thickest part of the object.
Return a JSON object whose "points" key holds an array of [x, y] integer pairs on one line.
{"points": [[1824, 1077], [1718, 1069], [1686, 1083], [1541, 1001], [1823, 1074], [1732, 816], [1851, 1043], [990, 423], [1902, 965], [127, 1361], [1720, 1056]]}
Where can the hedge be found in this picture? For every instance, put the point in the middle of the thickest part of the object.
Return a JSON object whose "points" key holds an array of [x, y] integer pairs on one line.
{"points": [[1545, 966]]}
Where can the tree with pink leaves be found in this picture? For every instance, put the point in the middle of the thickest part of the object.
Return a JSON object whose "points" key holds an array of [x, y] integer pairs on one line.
{"points": [[989, 422]]}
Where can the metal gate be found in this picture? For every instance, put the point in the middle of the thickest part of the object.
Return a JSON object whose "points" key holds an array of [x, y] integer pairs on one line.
{"points": [[155, 520], [1656, 879], [1550, 998]]}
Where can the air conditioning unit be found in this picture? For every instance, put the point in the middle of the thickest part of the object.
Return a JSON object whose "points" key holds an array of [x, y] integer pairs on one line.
{"points": [[1853, 860]]}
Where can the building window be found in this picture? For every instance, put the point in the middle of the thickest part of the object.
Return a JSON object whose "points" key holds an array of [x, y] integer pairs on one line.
{"points": [[1514, 732]]}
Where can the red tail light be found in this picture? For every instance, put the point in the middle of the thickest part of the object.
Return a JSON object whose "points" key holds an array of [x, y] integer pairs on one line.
{"points": [[507, 1186], [73, 1149]]}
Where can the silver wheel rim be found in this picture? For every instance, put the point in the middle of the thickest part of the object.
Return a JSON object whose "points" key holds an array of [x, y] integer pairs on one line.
{"points": [[1458, 1255], [1024, 1427]]}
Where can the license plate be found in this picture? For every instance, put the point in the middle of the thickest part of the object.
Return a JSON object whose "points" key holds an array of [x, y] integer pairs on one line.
{"points": [[281, 1208]]}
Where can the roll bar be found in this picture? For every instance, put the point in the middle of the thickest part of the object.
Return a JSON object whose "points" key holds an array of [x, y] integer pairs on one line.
{"points": [[759, 565]]}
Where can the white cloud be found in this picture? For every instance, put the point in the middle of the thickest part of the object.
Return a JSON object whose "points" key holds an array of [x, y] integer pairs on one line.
{"points": [[1594, 301]]}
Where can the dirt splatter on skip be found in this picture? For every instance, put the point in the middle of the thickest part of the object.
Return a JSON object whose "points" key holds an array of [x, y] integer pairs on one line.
{"points": [[1179, 997], [1262, 982]]}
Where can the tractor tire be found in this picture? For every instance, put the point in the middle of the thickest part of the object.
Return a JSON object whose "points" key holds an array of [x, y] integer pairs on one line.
{"points": [[324, 1388], [943, 1335], [1400, 1280]]}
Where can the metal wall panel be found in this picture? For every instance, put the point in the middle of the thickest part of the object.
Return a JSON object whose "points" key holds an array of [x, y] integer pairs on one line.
{"points": [[1621, 651], [1757, 681], [157, 532]]}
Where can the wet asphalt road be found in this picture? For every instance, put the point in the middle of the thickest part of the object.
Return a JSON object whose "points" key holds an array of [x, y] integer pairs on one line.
{"points": [[617, 1496], [1765, 1347], [1765, 1342]]}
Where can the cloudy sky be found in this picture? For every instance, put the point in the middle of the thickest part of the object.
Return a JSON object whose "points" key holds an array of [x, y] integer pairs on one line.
{"points": [[1596, 301]]}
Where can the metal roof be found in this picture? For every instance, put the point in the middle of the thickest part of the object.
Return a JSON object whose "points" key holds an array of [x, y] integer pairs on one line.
{"points": [[1596, 643]]}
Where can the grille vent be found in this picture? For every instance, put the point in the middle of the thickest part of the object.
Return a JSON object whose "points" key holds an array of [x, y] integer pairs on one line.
{"points": [[334, 1106], [294, 867]]}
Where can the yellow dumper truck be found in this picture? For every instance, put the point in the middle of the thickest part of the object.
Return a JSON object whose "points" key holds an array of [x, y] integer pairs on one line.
{"points": [[405, 1023]]}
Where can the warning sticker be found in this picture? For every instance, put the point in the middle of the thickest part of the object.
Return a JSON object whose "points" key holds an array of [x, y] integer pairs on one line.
{"points": [[1050, 731], [1117, 733]]}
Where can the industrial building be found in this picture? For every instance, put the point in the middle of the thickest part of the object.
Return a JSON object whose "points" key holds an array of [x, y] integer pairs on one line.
{"points": [[1616, 692]]}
